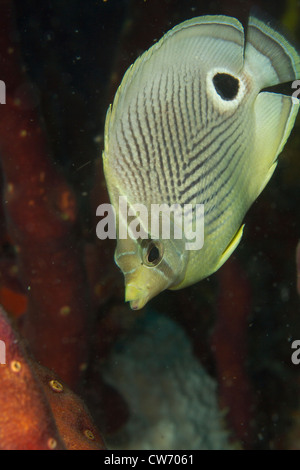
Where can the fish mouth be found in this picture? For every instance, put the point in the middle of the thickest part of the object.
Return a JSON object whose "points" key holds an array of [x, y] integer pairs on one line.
{"points": [[136, 297]]}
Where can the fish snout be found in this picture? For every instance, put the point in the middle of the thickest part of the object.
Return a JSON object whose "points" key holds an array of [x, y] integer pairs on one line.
{"points": [[137, 297], [142, 285]]}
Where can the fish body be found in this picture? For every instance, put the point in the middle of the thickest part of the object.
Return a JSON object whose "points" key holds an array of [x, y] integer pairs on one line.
{"points": [[190, 124]]}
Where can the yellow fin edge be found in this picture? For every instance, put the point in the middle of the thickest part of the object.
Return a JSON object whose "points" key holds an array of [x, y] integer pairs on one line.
{"points": [[231, 247]]}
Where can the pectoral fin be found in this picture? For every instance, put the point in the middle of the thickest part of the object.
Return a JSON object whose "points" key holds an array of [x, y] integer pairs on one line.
{"points": [[275, 115]]}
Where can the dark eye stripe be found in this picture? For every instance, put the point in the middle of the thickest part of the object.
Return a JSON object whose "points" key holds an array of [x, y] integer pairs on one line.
{"points": [[226, 86]]}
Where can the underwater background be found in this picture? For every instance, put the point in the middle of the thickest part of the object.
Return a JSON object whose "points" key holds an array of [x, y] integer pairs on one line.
{"points": [[206, 367]]}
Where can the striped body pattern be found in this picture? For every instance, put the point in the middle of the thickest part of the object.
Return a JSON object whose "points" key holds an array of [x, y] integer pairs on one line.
{"points": [[190, 124]]}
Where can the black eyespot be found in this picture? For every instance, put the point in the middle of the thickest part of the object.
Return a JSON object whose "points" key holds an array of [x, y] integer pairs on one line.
{"points": [[226, 86], [152, 252]]}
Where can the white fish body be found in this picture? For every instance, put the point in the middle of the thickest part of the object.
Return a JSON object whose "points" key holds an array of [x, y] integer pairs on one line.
{"points": [[190, 124]]}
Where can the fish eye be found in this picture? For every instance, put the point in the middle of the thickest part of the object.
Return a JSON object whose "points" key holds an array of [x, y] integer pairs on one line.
{"points": [[226, 86], [152, 252]]}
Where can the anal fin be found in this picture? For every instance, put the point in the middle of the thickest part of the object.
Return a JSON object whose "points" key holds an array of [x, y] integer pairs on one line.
{"points": [[231, 247]]}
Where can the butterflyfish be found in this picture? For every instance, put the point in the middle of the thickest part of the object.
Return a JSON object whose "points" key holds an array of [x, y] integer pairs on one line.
{"points": [[195, 124]]}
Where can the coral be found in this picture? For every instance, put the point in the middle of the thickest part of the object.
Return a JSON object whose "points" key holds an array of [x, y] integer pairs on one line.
{"points": [[182, 410], [38, 411], [41, 216], [50, 291], [230, 336]]}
